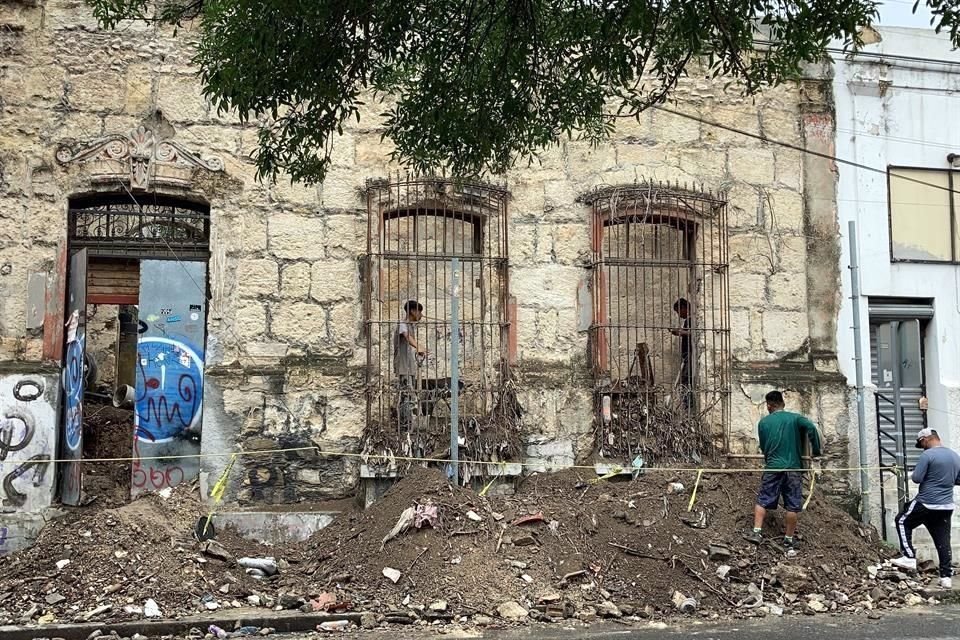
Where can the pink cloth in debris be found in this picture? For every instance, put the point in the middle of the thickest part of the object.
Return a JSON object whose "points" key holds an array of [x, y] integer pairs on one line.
{"points": [[425, 514]]}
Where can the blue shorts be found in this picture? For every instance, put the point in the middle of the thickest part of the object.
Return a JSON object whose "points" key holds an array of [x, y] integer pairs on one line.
{"points": [[788, 484]]}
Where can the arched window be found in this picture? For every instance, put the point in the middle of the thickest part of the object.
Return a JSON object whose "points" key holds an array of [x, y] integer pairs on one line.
{"points": [[660, 343], [423, 234]]}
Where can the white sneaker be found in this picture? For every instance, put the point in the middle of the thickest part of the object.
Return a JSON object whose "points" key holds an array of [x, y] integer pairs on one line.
{"points": [[905, 563], [946, 583]]}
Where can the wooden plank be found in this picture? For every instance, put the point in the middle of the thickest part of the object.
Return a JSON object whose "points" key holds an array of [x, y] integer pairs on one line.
{"points": [[54, 316], [112, 298]]}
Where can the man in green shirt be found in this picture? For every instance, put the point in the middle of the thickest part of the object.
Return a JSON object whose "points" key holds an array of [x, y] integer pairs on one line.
{"points": [[781, 440]]}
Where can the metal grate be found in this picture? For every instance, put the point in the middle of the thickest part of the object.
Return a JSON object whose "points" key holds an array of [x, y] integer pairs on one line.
{"points": [[660, 338], [149, 227], [416, 228]]}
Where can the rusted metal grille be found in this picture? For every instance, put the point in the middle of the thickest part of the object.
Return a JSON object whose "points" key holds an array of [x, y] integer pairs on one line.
{"points": [[416, 227], [149, 226], [660, 338]]}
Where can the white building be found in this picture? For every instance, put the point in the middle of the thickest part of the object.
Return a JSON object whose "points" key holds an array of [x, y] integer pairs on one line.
{"points": [[898, 120]]}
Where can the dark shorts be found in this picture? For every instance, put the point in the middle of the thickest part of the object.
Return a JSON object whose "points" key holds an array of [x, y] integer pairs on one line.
{"points": [[775, 484]]}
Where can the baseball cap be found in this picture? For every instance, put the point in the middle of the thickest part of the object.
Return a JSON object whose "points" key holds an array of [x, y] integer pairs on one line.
{"points": [[924, 433]]}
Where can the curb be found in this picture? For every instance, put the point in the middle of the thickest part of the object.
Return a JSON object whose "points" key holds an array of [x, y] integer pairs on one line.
{"points": [[281, 622]]}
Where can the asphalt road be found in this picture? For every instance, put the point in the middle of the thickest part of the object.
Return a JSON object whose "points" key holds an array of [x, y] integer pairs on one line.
{"points": [[940, 623]]}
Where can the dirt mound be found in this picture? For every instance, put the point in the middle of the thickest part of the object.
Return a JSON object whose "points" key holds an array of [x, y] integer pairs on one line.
{"points": [[104, 564], [565, 545]]}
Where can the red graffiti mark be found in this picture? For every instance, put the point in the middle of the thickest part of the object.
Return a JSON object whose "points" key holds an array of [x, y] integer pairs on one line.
{"points": [[146, 476], [152, 383]]}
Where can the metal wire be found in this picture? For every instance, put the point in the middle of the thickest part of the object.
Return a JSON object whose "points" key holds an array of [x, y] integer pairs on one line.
{"points": [[660, 336]]}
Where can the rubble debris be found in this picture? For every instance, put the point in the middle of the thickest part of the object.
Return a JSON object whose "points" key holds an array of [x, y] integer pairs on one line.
{"points": [[392, 574], [474, 516], [719, 553], [151, 609], [511, 610], [266, 566], [216, 550], [573, 569]]}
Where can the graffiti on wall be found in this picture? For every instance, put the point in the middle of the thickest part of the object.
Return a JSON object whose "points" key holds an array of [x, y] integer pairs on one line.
{"points": [[169, 387], [27, 443]]}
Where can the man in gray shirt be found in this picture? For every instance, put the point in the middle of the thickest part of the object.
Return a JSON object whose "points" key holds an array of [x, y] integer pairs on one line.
{"points": [[405, 352], [937, 471]]}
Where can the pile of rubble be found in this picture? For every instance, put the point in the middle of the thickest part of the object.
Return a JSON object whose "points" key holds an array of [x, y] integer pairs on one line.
{"points": [[563, 546]]}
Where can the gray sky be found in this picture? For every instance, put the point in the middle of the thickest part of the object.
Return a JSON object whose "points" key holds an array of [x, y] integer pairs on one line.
{"points": [[898, 13]]}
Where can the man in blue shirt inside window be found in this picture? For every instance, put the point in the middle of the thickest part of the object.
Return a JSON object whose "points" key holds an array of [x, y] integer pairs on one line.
{"points": [[937, 471]]}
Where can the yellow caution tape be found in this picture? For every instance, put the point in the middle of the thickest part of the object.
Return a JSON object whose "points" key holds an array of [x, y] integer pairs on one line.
{"points": [[217, 492]]}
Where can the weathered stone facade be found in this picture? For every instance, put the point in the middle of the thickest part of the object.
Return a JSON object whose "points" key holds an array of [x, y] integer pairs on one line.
{"points": [[284, 358]]}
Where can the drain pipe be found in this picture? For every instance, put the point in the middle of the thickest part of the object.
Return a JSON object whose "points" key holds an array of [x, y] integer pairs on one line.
{"points": [[858, 361]]}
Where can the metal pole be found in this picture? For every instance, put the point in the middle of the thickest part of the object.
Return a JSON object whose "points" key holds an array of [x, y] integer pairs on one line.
{"points": [[858, 360], [455, 371], [897, 410]]}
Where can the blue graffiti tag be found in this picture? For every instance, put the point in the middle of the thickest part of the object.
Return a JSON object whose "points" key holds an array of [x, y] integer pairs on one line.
{"points": [[169, 389], [73, 392]]}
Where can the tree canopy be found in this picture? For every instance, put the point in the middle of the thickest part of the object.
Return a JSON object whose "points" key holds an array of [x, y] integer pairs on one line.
{"points": [[475, 86]]}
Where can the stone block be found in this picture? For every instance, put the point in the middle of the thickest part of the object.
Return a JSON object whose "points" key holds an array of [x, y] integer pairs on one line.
{"points": [[345, 236], [546, 287], [258, 278], [524, 244], [582, 158], [180, 98], [334, 281], [788, 290], [528, 199], [295, 193], [249, 323], [780, 123], [785, 210], [238, 233], [344, 324], [295, 280], [750, 253], [784, 331], [299, 323], [340, 190], [97, 91], [32, 85], [139, 88], [570, 243], [748, 290], [740, 340], [789, 169], [296, 237], [667, 128], [752, 165]]}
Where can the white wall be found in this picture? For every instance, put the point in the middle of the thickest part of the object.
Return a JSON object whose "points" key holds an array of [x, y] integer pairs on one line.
{"points": [[904, 113]]}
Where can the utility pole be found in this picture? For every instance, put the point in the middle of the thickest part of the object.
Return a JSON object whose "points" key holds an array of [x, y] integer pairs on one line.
{"points": [[858, 360]]}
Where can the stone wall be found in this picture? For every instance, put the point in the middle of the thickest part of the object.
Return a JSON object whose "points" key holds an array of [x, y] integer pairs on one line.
{"points": [[285, 363], [28, 442]]}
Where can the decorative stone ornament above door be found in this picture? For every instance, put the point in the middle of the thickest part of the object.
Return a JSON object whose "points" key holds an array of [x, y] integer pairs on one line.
{"points": [[137, 158]]}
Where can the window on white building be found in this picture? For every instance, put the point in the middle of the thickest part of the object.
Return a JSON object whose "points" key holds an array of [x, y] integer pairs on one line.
{"points": [[924, 206]]}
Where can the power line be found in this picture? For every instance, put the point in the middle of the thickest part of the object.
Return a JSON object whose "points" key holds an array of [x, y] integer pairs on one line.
{"points": [[872, 54], [794, 147]]}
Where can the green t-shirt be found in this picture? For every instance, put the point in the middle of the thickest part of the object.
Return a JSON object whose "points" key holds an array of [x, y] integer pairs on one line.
{"points": [[781, 437]]}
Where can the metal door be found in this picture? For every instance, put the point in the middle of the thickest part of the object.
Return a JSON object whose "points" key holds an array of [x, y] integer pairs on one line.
{"points": [[73, 377], [896, 353], [169, 386]]}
